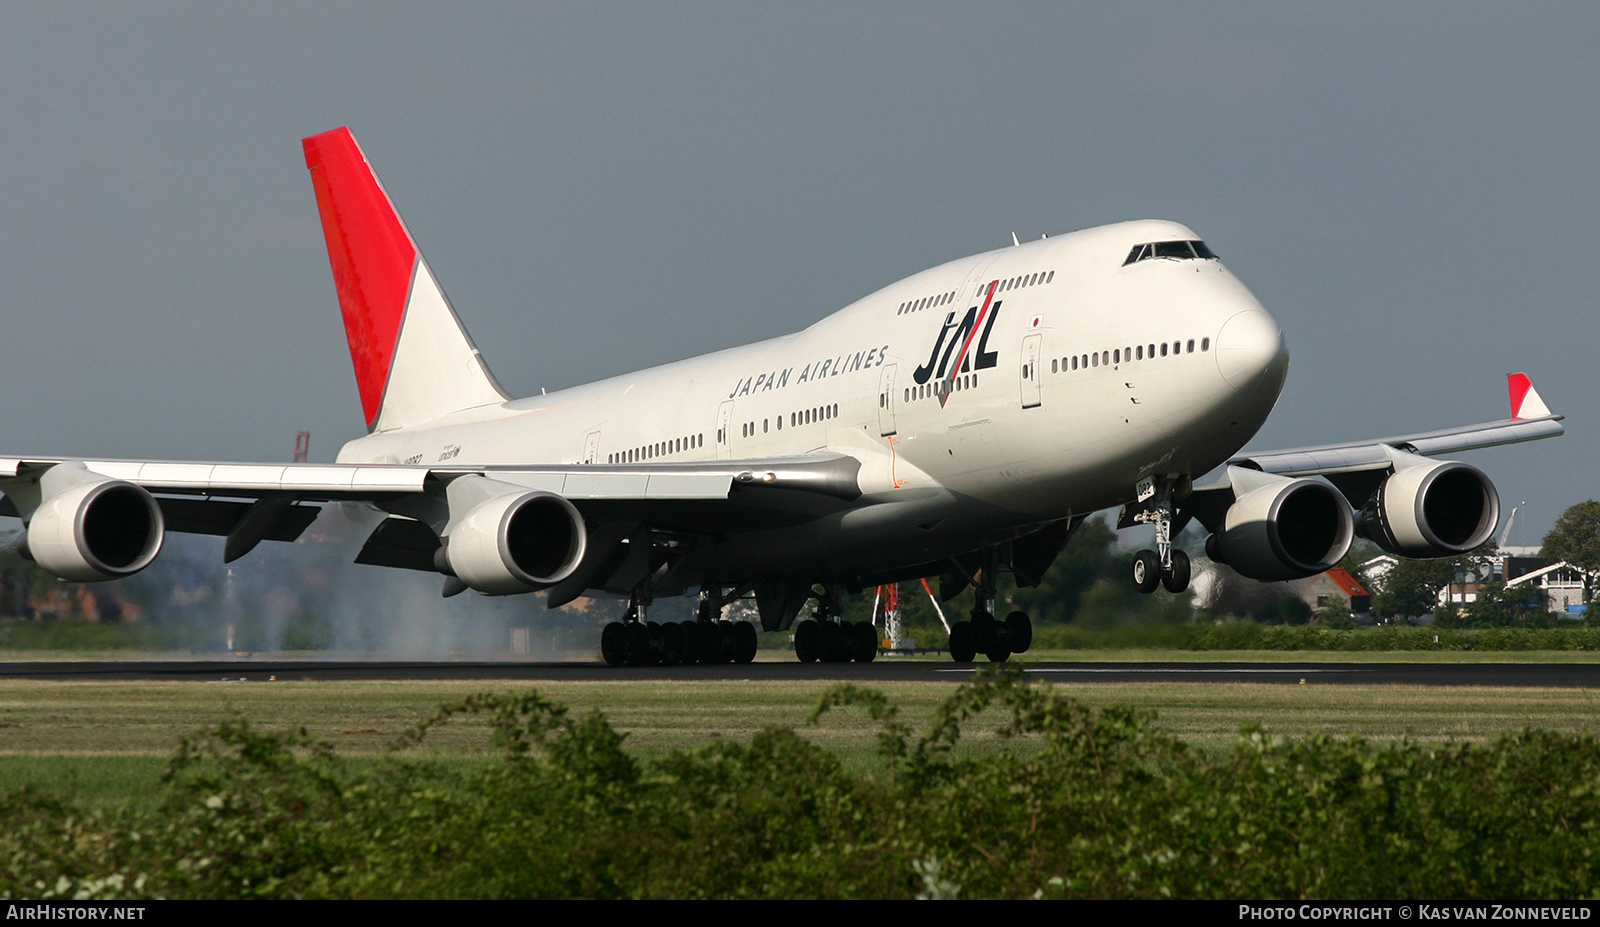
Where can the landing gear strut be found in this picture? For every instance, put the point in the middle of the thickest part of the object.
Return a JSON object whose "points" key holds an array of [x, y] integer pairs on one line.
{"points": [[985, 633], [1166, 565]]}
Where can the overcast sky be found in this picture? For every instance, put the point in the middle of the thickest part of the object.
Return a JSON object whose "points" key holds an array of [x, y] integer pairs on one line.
{"points": [[1410, 188]]}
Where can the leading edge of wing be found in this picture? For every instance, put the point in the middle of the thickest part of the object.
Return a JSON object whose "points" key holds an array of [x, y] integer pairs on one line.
{"points": [[1376, 453], [832, 475], [1373, 454]]}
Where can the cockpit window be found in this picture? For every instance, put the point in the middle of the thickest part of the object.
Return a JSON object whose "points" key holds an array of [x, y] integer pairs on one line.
{"points": [[1178, 250]]}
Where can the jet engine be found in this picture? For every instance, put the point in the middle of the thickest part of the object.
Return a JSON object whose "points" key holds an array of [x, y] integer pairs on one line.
{"points": [[95, 529], [515, 542], [1433, 509], [1284, 529]]}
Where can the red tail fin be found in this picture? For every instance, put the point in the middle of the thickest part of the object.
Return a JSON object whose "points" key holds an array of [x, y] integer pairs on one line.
{"points": [[372, 256], [384, 288]]}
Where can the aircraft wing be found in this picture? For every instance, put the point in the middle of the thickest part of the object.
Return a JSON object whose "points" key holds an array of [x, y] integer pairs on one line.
{"points": [[1530, 420], [1358, 468], [249, 503]]}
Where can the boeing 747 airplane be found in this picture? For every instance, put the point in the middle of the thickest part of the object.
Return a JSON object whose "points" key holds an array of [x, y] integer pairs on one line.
{"points": [[959, 423]]}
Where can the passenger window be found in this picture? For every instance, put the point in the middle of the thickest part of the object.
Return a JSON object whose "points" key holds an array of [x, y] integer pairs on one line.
{"points": [[1191, 345], [1116, 356]]}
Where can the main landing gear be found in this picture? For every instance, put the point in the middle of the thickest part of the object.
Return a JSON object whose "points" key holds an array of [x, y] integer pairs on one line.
{"points": [[636, 641], [985, 633], [1166, 565], [827, 638]]}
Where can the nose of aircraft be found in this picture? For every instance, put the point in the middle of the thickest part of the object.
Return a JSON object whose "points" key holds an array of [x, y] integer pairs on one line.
{"points": [[1249, 345]]}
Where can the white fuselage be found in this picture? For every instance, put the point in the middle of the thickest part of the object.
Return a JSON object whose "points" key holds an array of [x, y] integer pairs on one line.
{"points": [[1085, 375]]}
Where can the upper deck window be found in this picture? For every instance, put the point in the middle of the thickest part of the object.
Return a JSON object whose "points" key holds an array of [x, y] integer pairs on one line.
{"points": [[1177, 250]]}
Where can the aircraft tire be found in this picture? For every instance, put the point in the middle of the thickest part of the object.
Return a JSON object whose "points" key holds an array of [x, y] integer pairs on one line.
{"points": [[828, 641], [672, 644], [1178, 579], [1146, 571], [652, 654], [866, 649], [614, 643], [1021, 631], [691, 641], [962, 647], [805, 641], [636, 647], [745, 642]]}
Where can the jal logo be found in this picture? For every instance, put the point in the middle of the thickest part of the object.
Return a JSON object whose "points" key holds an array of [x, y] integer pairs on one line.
{"points": [[955, 341]]}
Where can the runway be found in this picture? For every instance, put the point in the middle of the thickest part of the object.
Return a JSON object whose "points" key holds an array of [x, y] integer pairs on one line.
{"points": [[1537, 675]]}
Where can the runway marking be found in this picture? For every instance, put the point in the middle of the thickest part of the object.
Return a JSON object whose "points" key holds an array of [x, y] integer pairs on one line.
{"points": [[1264, 671]]}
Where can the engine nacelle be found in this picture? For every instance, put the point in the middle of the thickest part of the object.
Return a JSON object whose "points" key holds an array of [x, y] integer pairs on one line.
{"points": [[1431, 510], [96, 529], [1285, 529], [516, 542]]}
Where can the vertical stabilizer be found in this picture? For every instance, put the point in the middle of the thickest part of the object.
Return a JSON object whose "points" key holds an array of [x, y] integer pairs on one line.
{"points": [[413, 360]]}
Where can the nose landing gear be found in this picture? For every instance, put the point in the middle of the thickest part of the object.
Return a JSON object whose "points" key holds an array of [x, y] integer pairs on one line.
{"points": [[1166, 565]]}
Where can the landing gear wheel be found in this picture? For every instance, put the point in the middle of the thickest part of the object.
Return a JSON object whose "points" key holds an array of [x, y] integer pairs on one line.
{"points": [[745, 642], [691, 641], [866, 638], [1021, 631], [613, 643], [830, 644], [1178, 579], [962, 646], [672, 644], [636, 646], [1146, 571], [724, 639], [806, 642]]}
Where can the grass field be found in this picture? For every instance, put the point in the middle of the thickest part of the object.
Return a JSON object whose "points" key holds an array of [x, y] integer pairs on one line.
{"points": [[105, 742]]}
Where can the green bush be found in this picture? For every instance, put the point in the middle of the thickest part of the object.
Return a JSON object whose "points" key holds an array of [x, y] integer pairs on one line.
{"points": [[1089, 803]]}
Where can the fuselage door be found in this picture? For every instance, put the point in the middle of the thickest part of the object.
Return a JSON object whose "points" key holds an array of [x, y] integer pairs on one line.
{"points": [[886, 402], [591, 447], [1030, 371], [724, 426]]}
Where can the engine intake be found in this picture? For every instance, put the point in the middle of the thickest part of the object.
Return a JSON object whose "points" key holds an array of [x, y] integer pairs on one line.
{"points": [[516, 542], [96, 529], [1286, 529], [1431, 510]]}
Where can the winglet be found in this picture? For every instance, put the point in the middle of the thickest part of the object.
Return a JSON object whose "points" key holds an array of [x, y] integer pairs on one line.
{"points": [[1525, 399]]}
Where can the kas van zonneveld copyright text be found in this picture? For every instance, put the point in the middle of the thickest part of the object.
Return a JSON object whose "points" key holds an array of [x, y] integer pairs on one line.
{"points": [[1405, 912]]}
